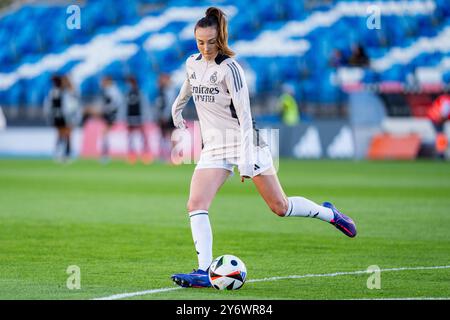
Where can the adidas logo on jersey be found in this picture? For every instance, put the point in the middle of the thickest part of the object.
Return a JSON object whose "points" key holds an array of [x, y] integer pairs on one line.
{"points": [[193, 76]]}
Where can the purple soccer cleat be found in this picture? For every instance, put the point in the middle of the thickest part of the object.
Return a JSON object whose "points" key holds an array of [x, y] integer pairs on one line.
{"points": [[195, 279], [341, 221]]}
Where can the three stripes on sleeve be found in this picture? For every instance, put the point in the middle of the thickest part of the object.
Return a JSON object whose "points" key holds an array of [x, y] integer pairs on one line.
{"points": [[236, 76]]}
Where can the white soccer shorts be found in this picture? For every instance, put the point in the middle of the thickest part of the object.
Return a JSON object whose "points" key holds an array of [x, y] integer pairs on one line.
{"points": [[262, 161]]}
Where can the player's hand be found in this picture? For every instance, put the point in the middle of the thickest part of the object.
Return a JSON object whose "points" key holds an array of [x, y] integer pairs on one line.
{"points": [[246, 171]]}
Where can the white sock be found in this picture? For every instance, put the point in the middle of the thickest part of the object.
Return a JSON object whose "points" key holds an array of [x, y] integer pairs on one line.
{"points": [[202, 235], [302, 207]]}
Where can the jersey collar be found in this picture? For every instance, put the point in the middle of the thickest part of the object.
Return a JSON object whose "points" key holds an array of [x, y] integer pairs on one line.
{"points": [[218, 59]]}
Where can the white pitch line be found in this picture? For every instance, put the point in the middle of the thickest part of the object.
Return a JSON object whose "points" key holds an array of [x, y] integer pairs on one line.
{"points": [[335, 274], [134, 294]]}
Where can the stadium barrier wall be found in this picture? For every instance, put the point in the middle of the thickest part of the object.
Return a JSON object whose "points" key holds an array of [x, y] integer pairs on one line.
{"points": [[334, 139]]}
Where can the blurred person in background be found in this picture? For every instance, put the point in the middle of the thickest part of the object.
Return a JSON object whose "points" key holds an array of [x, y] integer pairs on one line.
{"points": [[439, 113], [358, 57], [288, 106], [112, 103], [61, 107], [166, 95], [136, 114], [337, 59]]}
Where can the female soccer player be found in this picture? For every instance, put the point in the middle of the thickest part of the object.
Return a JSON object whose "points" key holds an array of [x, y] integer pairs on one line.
{"points": [[61, 107], [136, 107], [113, 104], [217, 84]]}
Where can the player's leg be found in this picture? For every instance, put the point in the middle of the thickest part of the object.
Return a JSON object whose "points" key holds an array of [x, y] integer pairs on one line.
{"points": [[131, 155], [59, 143], [67, 134], [268, 185], [146, 155], [166, 142], [441, 141], [145, 145], [105, 142], [204, 185], [270, 189], [130, 139]]}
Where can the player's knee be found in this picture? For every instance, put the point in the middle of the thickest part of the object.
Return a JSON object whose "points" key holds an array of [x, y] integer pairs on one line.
{"points": [[279, 207], [196, 204]]}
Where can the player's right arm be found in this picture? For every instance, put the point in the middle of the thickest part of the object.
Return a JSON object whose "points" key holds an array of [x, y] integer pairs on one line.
{"points": [[179, 104], [237, 87]]}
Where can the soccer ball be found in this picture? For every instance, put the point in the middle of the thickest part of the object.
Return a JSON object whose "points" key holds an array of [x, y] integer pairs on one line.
{"points": [[227, 272]]}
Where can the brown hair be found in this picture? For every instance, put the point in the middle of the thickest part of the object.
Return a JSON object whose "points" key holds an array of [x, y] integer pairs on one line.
{"points": [[214, 17]]}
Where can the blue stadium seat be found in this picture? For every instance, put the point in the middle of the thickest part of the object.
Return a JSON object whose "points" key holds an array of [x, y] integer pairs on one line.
{"points": [[150, 86], [90, 86], [370, 76], [327, 91], [127, 10], [310, 90], [396, 73], [242, 27], [269, 10], [68, 67], [116, 70], [40, 89], [446, 77], [443, 7], [14, 95], [295, 9]]}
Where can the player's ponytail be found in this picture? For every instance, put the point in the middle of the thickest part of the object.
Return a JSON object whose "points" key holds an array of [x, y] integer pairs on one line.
{"points": [[214, 17]]}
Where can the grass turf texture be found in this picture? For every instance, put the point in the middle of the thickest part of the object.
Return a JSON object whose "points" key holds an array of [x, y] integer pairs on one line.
{"points": [[127, 229]]}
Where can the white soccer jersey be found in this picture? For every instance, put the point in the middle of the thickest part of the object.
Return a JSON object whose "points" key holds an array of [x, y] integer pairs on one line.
{"points": [[221, 98]]}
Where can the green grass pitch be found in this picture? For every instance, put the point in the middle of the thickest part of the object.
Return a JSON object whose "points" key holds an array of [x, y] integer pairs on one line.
{"points": [[127, 229]]}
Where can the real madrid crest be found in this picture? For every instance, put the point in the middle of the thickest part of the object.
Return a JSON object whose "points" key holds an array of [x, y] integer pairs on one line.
{"points": [[213, 78]]}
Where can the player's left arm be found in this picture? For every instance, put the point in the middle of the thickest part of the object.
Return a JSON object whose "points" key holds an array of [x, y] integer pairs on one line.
{"points": [[237, 87]]}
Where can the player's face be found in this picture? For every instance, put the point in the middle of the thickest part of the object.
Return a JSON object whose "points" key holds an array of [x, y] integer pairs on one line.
{"points": [[207, 42]]}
